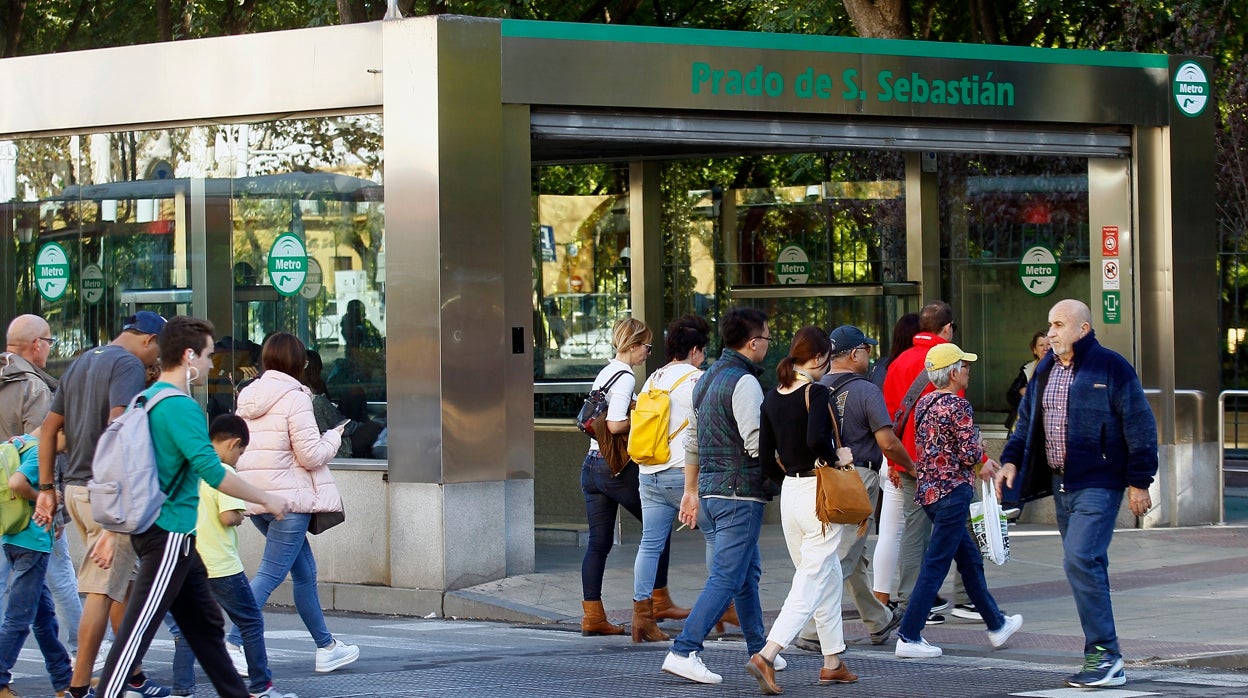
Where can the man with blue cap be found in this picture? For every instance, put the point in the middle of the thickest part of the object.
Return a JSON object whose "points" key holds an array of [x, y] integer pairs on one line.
{"points": [[95, 390]]}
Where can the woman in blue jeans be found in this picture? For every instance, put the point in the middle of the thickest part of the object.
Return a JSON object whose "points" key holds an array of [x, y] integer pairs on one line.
{"points": [[289, 455], [606, 490], [663, 485], [948, 449]]}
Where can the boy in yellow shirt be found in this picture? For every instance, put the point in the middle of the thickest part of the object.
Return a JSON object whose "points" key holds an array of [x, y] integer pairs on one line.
{"points": [[216, 540]]}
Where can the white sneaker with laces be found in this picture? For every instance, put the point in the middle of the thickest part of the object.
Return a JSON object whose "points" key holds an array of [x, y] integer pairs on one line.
{"points": [[335, 656], [690, 667], [102, 656], [272, 692], [916, 650], [1002, 635], [237, 657]]}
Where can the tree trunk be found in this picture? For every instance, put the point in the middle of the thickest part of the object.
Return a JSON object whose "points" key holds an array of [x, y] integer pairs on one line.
{"points": [[880, 19], [164, 20], [11, 26]]}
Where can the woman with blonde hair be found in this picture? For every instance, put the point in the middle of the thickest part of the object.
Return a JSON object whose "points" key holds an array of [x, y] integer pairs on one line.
{"points": [[795, 434], [607, 487]]}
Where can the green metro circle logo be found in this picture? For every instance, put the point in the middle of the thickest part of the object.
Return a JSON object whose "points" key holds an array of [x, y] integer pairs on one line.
{"points": [[1191, 88], [288, 264]]}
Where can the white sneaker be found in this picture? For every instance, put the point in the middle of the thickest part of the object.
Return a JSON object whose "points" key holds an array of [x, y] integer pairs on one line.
{"points": [[916, 650], [690, 667], [272, 692], [335, 656], [779, 664], [101, 656], [1002, 635], [238, 657]]}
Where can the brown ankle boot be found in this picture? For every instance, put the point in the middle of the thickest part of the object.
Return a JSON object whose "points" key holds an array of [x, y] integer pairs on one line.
{"points": [[664, 609], [595, 622], [644, 627], [729, 617]]}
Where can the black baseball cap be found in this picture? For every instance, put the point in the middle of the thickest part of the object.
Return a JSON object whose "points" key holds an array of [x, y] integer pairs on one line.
{"points": [[846, 337]]}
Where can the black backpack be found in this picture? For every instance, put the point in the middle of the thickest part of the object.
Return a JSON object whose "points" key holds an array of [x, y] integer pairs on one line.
{"points": [[595, 405]]}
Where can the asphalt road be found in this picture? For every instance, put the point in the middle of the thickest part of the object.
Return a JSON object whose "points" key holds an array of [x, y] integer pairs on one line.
{"points": [[451, 659]]}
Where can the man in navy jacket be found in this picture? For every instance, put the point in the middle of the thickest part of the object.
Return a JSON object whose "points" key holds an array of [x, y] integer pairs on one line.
{"points": [[1084, 434]]}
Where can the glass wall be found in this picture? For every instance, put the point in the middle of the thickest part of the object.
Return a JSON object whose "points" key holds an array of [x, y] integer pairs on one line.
{"points": [[728, 228], [993, 208], [261, 227]]}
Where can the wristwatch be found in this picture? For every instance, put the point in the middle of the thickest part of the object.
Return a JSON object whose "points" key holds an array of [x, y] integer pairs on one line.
{"points": [[45, 486]]}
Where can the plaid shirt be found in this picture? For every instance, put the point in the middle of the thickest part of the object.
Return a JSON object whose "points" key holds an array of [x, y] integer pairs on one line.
{"points": [[1056, 395]]}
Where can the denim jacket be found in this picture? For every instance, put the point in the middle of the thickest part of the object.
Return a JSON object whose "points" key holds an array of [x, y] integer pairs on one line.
{"points": [[1111, 435]]}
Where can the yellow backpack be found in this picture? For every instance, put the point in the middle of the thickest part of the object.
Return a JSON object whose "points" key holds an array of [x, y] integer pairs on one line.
{"points": [[648, 440]]}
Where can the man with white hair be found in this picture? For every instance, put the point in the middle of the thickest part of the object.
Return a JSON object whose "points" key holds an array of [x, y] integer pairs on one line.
{"points": [[25, 388], [25, 397], [1084, 434]]}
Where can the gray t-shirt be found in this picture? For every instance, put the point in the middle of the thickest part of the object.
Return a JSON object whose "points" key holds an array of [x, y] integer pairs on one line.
{"points": [[860, 404], [92, 386]]}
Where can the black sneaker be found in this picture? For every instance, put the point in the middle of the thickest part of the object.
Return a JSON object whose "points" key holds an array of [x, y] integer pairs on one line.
{"points": [[940, 604], [881, 637], [1100, 668], [935, 619], [965, 611]]}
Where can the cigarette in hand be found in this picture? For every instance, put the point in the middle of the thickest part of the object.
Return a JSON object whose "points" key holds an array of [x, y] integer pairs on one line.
{"points": [[682, 527]]}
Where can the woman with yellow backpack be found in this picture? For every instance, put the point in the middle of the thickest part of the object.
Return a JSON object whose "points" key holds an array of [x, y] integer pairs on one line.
{"points": [[656, 444]]}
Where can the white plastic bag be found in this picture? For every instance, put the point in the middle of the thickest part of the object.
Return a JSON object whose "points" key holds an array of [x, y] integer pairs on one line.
{"points": [[989, 525]]}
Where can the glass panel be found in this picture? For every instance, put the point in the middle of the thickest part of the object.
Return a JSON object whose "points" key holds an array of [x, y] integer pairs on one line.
{"points": [[727, 221], [992, 209], [139, 214]]}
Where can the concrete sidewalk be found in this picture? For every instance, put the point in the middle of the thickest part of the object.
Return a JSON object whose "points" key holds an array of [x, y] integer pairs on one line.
{"points": [[1178, 593]]}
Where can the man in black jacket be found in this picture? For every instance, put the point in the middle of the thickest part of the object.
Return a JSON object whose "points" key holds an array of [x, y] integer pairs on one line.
{"points": [[1085, 433]]}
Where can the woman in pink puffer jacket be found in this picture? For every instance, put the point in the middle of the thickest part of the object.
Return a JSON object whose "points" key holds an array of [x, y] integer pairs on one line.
{"points": [[288, 455]]}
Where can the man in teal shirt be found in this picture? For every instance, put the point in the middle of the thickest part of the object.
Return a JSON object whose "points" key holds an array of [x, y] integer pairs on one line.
{"points": [[171, 576]]}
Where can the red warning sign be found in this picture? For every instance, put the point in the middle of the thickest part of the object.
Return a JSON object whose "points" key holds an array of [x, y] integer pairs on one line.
{"points": [[1109, 241]]}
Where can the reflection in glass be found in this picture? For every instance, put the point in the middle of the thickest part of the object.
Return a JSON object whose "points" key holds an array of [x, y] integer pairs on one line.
{"points": [[143, 214]]}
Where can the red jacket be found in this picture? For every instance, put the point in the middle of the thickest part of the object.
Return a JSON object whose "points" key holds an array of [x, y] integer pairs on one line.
{"points": [[901, 374]]}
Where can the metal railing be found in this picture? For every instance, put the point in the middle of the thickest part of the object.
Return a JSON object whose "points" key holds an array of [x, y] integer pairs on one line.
{"points": [[1222, 447]]}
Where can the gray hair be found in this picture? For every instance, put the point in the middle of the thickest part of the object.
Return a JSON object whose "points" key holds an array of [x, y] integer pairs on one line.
{"points": [[940, 377]]}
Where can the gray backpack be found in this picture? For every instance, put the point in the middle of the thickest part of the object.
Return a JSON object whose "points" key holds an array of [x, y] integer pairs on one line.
{"points": [[125, 487]]}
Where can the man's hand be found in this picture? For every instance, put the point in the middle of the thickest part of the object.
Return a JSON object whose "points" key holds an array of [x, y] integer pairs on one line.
{"points": [[45, 508], [104, 551], [1138, 501], [275, 505], [689, 509], [894, 477], [1005, 476]]}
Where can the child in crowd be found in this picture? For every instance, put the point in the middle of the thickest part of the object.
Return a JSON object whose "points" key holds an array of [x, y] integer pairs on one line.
{"points": [[30, 601], [217, 543]]}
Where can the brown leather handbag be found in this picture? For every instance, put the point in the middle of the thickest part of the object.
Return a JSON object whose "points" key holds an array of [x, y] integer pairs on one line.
{"points": [[841, 496]]}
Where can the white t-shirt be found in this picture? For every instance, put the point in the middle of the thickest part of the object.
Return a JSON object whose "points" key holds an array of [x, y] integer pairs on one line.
{"points": [[620, 396], [681, 409]]}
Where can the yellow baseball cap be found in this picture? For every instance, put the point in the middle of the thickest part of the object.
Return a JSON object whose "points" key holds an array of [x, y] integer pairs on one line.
{"points": [[947, 354]]}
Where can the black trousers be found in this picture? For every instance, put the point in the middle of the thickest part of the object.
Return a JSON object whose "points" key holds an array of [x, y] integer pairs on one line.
{"points": [[171, 579]]}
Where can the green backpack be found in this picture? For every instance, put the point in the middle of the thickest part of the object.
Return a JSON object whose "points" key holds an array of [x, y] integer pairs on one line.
{"points": [[15, 511]]}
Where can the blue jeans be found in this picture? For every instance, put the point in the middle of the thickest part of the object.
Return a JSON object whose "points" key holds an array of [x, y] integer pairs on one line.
{"points": [[183, 660], [733, 525], [286, 551], [950, 542], [660, 503], [30, 602], [1085, 518], [62, 581], [239, 603], [604, 495]]}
